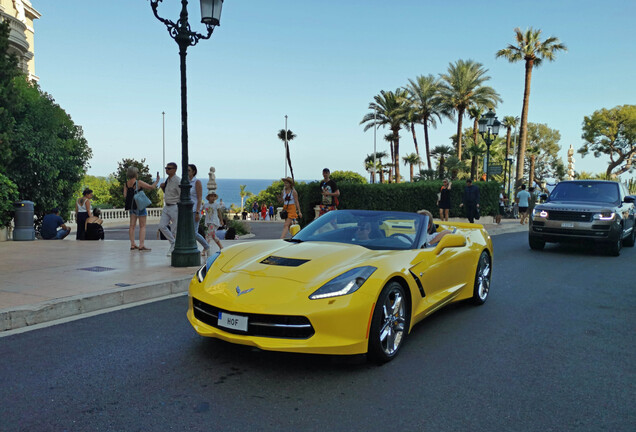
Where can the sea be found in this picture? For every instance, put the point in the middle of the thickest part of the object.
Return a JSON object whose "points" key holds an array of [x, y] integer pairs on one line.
{"points": [[229, 190]]}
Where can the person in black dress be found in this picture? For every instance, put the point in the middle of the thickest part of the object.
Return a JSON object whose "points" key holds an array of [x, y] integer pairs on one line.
{"points": [[444, 202]]}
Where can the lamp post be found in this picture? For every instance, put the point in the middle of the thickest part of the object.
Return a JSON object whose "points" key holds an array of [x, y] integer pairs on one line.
{"points": [[509, 160], [487, 124], [186, 253]]}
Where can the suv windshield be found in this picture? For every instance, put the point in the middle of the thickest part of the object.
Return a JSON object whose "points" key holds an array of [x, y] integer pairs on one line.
{"points": [[586, 192]]}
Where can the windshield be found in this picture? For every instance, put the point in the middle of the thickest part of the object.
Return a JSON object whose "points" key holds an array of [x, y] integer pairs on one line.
{"points": [[586, 192], [376, 230]]}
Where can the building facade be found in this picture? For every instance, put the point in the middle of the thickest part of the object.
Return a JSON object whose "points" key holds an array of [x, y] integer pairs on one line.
{"points": [[21, 14]]}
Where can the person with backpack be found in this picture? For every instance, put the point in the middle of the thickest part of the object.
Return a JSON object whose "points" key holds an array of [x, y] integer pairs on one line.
{"points": [[330, 193]]}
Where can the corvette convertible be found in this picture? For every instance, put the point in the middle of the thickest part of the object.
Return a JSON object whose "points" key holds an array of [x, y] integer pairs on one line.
{"points": [[350, 282]]}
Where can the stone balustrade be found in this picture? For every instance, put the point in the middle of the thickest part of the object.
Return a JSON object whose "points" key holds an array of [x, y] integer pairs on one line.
{"points": [[111, 215]]}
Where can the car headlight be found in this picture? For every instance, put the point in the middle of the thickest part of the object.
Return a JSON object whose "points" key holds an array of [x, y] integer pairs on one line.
{"points": [[344, 284], [205, 267], [539, 212], [606, 216]]}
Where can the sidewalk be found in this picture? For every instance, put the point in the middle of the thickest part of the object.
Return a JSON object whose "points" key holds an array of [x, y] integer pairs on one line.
{"points": [[42, 281]]}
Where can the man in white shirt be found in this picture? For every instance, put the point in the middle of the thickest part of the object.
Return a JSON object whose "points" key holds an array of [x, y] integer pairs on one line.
{"points": [[170, 213]]}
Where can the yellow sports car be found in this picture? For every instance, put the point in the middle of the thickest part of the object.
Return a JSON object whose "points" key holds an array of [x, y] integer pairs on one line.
{"points": [[351, 282]]}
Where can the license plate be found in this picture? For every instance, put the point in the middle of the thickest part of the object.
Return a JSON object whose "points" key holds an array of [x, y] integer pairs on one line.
{"points": [[567, 225], [234, 322]]}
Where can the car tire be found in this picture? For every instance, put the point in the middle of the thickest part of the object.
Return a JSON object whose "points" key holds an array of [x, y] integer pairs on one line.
{"points": [[614, 249], [390, 323], [629, 241], [535, 243], [482, 279]]}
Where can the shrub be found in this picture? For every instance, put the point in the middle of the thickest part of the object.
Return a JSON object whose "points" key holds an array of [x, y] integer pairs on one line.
{"points": [[8, 195]]}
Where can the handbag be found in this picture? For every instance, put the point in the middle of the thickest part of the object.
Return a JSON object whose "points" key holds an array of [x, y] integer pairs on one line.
{"points": [[477, 215], [283, 214], [141, 200]]}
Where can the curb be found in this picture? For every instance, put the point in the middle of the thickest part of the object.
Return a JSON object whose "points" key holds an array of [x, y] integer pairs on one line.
{"points": [[69, 306]]}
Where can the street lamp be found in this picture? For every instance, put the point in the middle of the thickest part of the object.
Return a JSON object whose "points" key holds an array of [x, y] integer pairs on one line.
{"points": [[186, 253], [487, 124]]}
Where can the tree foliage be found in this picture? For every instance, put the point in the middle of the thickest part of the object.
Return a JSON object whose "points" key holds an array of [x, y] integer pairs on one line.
{"points": [[116, 188], [347, 177], [101, 189], [543, 153], [8, 195], [611, 132]]}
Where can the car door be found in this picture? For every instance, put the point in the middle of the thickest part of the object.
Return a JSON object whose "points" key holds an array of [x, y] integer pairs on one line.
{"points": [[440, 275]]}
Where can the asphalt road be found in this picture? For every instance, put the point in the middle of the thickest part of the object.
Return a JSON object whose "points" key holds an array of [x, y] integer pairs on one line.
{"points": [[553, 349]]}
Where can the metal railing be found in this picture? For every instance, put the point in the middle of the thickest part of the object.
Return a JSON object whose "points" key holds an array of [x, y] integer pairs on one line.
{"points": [[119, 214]]}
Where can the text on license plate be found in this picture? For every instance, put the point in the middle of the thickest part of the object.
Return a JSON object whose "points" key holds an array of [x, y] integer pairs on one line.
{"points": [[234, 322], [567, 225]]}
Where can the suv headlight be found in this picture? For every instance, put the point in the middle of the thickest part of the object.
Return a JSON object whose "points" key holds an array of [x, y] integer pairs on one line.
{"points": [[346, 283], [605, 216], [204, 269], [539, 212]]}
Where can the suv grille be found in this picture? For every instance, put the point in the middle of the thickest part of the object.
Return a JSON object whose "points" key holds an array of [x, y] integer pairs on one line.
{"points": [[278, 326], [570, 216]]}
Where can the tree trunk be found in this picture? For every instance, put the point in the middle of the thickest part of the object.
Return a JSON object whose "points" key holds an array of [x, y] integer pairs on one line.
{"points": [[441, 167], [417, 150], [460, 115], [473, 167], [523, 129], [411, 165], [396, 151], [428, 151], [531, 174]]}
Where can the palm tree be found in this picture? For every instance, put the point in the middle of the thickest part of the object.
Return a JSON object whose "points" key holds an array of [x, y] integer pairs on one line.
{"points": [[454, 166], [475, 151], [426, 103], [463, 86], [287, 136], [389, 109], [412, 159], [533, 51], [369, 164], [244, 193], [442, 152], [475, 112], [509, 122]]}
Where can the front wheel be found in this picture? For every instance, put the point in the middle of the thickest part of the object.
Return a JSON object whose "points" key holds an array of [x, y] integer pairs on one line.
{"points": [[614, 248], [629, 241], [390, 323], [482, 279], [535, 243]]}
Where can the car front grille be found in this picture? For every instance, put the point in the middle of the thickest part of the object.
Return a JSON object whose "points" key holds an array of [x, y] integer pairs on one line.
{"points": [[277, 326], [572, 232], [570, 216]]}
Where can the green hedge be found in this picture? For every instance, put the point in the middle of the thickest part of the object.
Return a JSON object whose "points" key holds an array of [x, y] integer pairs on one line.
{"points": [[8, 196], [408, 197]]}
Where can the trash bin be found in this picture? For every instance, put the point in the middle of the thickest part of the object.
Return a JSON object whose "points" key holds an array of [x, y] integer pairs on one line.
{"points": [[23, 221]]}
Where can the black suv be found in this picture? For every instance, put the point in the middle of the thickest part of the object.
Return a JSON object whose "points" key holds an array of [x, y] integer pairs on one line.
{"points": [[585, 210]]}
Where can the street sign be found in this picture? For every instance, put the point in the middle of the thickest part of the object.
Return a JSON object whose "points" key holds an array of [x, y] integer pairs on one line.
{"points": [[495, 169]]}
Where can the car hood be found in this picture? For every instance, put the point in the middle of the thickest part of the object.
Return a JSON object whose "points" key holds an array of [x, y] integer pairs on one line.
{"points": [[301, 262], [576, 206]]}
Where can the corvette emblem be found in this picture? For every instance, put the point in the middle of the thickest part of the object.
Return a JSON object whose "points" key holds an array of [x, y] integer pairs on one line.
{"points": [[239, 292]]}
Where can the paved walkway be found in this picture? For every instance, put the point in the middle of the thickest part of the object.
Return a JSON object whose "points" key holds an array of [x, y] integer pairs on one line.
{"points": [[44, 281]]}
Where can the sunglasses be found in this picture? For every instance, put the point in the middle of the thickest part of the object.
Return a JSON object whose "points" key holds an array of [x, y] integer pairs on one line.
{"points": [[171, 168]]}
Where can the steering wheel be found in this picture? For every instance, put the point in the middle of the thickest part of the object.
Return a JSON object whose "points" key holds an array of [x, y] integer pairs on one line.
{"points": [[396, 235]]}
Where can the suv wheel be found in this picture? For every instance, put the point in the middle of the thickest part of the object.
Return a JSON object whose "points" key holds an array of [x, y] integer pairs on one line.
{"points": [[614, 249], [629, 241], [536, 243]]}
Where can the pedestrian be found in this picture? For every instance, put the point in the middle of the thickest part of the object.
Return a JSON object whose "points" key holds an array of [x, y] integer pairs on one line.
{"points": [[523, 199], [271, 212], [470, 201], [132, 185], [213, 218], [196, 195], [50, 225], [443, 200], [94, 229], [264, 212], [534, 197], [502, 206], [290, 204], [255, 210], [330, 193], [170, 211], [82, 212]]}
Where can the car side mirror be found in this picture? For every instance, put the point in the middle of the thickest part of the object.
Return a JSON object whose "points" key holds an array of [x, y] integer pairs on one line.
{"points": [[543, 196], [293, 230], [450, 240], [629, 199]]}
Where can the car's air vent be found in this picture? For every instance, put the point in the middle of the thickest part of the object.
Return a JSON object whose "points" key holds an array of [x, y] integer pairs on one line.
{"points": [[569, 216], [285, 262]]}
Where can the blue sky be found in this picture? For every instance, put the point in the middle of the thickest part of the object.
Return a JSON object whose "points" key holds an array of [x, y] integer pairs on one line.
{"points": [[113, 67]]}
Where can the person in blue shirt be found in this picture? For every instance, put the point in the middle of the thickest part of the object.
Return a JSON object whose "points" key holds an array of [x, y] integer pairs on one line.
{"points": [[523, 200], [50, 225]]}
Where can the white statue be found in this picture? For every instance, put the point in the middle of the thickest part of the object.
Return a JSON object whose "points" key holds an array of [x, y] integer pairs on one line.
{"points": [[212, 181]]}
